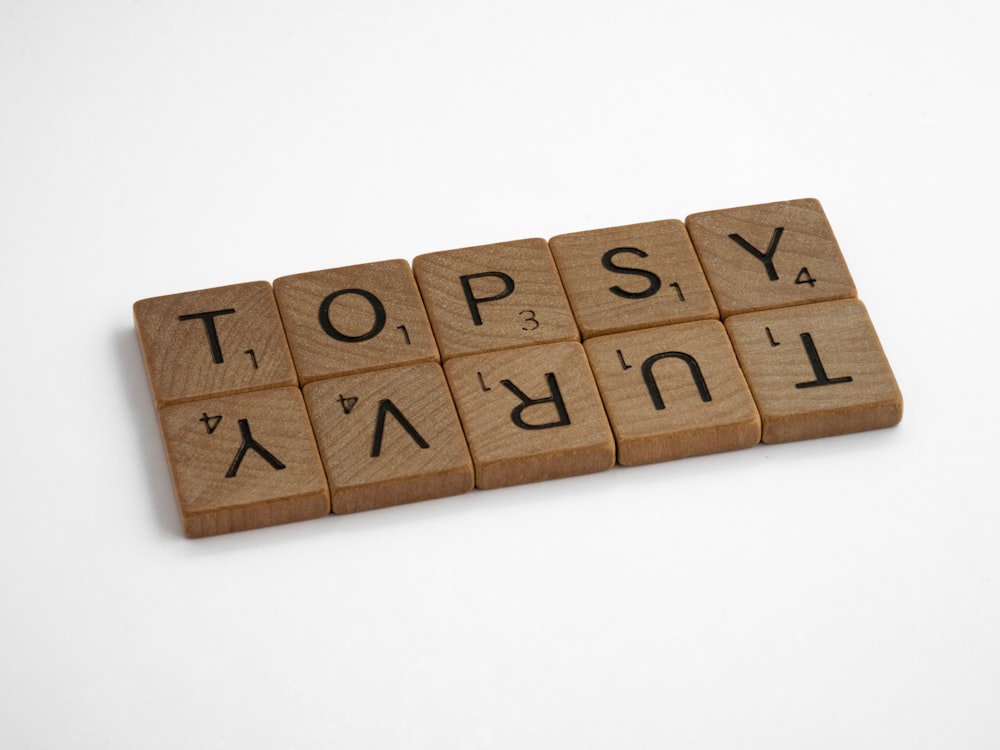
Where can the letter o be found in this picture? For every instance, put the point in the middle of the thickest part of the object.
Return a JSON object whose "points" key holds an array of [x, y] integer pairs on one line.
{"points": [[331, 330]]}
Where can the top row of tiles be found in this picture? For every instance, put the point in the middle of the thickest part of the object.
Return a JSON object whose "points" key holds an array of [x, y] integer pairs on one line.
{"points": [[499, 296], [631, 277]]}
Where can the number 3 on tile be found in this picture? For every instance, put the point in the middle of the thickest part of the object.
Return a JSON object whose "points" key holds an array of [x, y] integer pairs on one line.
{"points": [[528, 316]]}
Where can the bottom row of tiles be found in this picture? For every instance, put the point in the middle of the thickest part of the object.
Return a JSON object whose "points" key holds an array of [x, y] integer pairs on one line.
{"points": [[394, 436]]}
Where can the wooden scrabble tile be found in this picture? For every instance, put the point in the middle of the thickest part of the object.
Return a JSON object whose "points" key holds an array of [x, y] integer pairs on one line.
{"points": [[673, 392], [389, 437], [630, 277], [213, 342], [531, 414], [244, 461], [771, 255], [816, 370], [494, 297], [352, 319]]}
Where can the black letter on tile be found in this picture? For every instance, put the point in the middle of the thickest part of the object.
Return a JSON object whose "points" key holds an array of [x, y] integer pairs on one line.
{"points": [[248, 444], [208, 318], [385, 406], [508, 289], [766, 258], [377, 308], [556, 399], [607, 260], [653, 388], [817, 365]]}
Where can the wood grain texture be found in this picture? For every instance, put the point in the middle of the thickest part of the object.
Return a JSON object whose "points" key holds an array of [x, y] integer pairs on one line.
{"points": [[770, 255], [531, 414], [494, 297], [356, 318], [630, 277], [213, 342], [389, 437], [816, 370], [243, 461], [673, 392]]}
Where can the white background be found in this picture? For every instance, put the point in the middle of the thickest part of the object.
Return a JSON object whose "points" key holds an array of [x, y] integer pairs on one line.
{"points": [[834, 593]]}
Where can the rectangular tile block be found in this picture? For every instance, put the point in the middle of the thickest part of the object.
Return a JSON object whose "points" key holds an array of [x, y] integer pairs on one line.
{"points": [[352, 319], [494, 297], [243, 461], [673, 392], [328, 390], [213, 342], [389, 437], [816, 370], [630, 277], [531, 414], [770, 255]]}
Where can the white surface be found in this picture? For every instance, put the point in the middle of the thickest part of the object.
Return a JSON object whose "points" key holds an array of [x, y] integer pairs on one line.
{"points": [[827, 594]]}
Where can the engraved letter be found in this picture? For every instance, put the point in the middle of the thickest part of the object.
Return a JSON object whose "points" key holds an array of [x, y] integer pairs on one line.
{"points": [[556, 399], [473, 300], [385, 406], [208, 318], [607, 260], [248, 444], [377, 308], [817, 365], [766, 258], [653, 388]]}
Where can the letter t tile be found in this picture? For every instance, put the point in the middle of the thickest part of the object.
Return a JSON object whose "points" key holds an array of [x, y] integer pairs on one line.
{"points": [[816, 370]]}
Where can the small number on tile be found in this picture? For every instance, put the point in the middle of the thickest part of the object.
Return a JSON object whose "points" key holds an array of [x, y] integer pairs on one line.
{"points": [[211, 423], [347, 403], [805, 277]]}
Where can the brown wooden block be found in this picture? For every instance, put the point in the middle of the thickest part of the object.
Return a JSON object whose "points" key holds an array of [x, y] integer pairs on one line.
{"points": [[816, 370], [531, 414], [213, 342], [673, 392], [630, 277], [494, 297], [345, 320], [389, 437], [244, 461], [771, 255]]}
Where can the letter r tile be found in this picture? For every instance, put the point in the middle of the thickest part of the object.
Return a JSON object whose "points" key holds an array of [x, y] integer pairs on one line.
{"points": [[389, 437], [352, 319], [243, 461], [673, 391], [637, 276], [531, 414], [213, 342], [494, 297], [816, 370], [770, 255]]}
